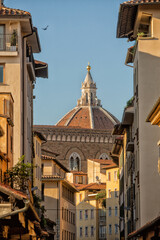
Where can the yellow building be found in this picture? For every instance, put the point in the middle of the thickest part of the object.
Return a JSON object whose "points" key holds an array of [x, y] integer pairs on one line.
{"points": [[6, 139], [112, 201], [58, 196], [95, 170], [91, 215]]}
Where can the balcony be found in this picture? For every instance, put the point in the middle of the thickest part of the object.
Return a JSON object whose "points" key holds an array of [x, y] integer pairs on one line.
{"points": [[8, 45]]}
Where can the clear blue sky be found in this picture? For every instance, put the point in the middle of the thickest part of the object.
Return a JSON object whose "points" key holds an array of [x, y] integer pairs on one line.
{"points": [[79, 31]]}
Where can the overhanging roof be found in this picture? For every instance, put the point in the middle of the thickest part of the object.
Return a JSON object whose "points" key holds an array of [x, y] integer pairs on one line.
{"points": [[41, 69], [127, 16], [154, 115], [128, 115]]}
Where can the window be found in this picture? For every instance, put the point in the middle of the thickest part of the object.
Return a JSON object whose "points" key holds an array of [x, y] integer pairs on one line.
{"points": [[103, 156], [2, 39], [116, 228], [115, 193], [109, 193], [116, 211], [145, 25], [92, 213], [80, 232], [75, 162], [102, 232], [80, 214], [92, 231], [80, 179], [86, 231], [42, 192], [115, 175], [80, 197], [86, 97], [86, 214], [109, 176], [110, 229], [109, 211]]}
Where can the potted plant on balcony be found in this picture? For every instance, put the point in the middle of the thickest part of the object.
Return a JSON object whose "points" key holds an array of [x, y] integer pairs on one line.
{"points": [[14, 40]]}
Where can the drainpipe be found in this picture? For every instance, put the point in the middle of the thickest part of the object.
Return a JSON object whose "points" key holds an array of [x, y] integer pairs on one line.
{"points": [[23, 79], [26, 203]]}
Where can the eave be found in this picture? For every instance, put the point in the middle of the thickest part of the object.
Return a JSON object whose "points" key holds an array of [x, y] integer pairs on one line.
{"points": [[154, 115], [41, 69], [128, 114]]}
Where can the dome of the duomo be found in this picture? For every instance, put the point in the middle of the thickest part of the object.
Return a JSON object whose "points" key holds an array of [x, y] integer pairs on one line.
{"points": [[89, 112]]}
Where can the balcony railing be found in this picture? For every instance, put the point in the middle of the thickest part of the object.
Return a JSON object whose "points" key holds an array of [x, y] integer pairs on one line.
{"points": [[8, 42]]}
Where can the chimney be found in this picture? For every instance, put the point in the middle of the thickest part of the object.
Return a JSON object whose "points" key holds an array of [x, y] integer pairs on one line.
{"points": [[1, 3]]}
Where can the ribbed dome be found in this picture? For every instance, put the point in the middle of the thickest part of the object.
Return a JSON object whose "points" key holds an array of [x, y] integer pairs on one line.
{"points": [[89, 112], [88, 117]]}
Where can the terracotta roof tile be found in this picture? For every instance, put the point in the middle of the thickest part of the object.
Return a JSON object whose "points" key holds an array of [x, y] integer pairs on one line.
{"points": [[91, 186], [5, 11], [101, 121], [51, 177], [110, 165], [81, 119], [8, 190], [66, 118], [78, 173], [136, 2]]}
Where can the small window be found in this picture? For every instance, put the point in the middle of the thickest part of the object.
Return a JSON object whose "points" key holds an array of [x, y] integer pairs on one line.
{"points": [[80, 197], [92, 213], [80, 232], [115, 193], [86, 231], [109, 176], [109, 193], [92, 231], [116, 228], [86, 214], [42, 192], [110, 212], [80, 179], [116, 211], [110, 229], [80, 214]]}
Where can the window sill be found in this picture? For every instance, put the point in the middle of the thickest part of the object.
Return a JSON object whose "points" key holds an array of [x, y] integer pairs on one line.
{"points": [[146, 38], [8, 53]]}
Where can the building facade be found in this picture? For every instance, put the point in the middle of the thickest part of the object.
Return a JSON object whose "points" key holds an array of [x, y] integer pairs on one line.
{"points": [[144, 28], [58, 198]]}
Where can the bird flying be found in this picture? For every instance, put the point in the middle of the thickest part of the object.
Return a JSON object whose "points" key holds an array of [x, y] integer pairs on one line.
{"points": [[45, 27]]}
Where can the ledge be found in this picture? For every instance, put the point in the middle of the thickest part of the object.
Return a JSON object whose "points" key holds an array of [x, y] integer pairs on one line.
{"points": [[8, 53]]}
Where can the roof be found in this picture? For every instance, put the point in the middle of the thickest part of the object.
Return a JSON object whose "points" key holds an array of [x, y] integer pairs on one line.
{"points": [[6, 189], [40, 135], [146, 227], [88, 117], [91, 186], [101, 161], [127, 16], [41, 69], [5, 11], [53, 154], [154, 115], [110, 165], [45, 157], [55, 177], [78, 173]]}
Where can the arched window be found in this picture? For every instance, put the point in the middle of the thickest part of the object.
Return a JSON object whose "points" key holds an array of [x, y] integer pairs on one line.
{"points": [[86, 97], [104, 156], [91, 98], [75, 162]]}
